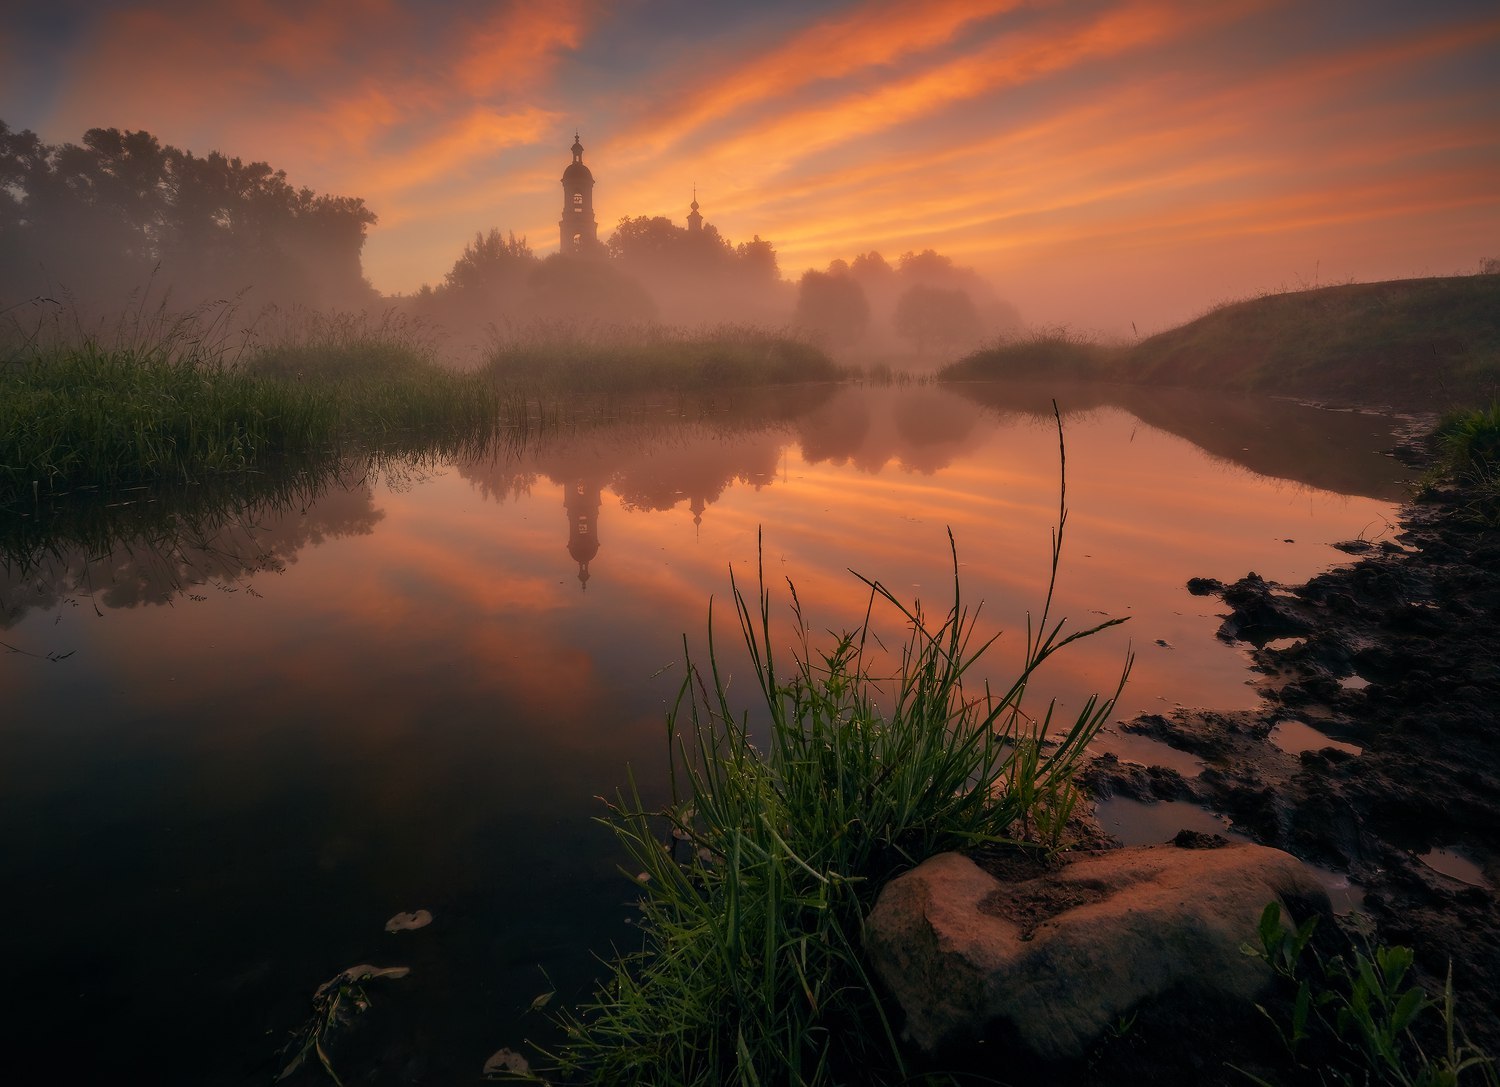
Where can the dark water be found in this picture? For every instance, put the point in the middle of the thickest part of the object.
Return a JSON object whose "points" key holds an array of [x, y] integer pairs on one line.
{"points": [[236, 743]]}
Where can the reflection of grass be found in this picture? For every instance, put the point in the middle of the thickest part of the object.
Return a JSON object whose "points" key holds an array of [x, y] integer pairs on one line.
{"points": [[752, 969]]}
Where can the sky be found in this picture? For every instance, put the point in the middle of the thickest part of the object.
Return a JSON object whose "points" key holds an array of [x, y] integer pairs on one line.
{"points": [[1113, 166]]}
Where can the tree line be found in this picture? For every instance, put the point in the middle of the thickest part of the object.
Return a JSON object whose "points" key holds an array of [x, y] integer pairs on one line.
{"points": [[121, 211]]}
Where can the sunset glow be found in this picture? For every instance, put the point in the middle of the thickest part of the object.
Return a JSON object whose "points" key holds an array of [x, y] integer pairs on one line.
{"points": [[1103, 162]]}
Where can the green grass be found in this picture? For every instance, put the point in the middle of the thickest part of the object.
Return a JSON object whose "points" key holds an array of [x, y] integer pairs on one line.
{"points": [[1468, 444], [779, 839], [612, 361], [1471, 439], [1048, 353], [106, 417], [1437, 337], [1417, 343], [1357, 1016], [165, 399]]}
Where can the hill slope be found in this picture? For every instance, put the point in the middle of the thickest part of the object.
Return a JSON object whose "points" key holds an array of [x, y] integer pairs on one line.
{"points": [[1413, 343]]}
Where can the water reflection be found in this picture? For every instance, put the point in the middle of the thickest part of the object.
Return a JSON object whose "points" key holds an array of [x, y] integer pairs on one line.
{"points": [[167, 545], [1339, 451], [421, 702]]}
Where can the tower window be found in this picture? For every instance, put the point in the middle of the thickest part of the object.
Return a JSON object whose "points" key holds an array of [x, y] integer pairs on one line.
{"points": [[578, 199]]}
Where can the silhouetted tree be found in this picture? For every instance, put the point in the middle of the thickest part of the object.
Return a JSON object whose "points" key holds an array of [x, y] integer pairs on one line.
{"points": [[832, 307], [491, 260], [757, 262], [101, 217], [583, 289], [697, 274], [936, 316]]}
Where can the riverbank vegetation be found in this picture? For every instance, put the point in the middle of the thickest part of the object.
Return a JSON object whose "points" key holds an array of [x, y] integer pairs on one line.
{"points": [[164, 399], [779, 838], [1469, 448], [1416, 343], [569, 361]]}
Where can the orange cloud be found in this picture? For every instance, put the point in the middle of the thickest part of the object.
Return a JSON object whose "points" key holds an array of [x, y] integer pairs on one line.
{"points": [[872, 36], [469, 138], [515, 47]]}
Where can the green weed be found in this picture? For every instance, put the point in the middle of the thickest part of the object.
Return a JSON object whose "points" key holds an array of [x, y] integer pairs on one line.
{"points": [[1355, 1017], [755, 878]]}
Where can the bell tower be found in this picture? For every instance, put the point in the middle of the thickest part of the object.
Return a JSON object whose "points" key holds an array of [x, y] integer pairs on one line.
{"points": [[578, 230]]}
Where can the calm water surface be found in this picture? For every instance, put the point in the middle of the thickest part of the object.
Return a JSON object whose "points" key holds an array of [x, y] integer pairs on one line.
{"points": [[255, 743]]}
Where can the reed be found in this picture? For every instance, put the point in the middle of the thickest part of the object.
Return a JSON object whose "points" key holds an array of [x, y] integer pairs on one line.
{"points": [[750, 969], [1045, 353], [107, 416], [568, 361]]}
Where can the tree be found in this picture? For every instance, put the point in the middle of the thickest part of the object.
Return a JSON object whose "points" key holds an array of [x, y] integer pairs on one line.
{"points": [[943, 316], [757, 262], [103, 217], [491, 261], [569, 288], [832, 307]]}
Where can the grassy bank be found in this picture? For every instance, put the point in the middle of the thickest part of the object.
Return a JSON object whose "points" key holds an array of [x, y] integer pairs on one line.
{"points": [[1418, 343], [161, 399], [618, 361], [1468, 445], [107, 417]]}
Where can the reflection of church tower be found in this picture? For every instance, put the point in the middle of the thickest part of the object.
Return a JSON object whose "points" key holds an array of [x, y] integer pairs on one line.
{"points": [[578, 230], [695, 221], [581, 500]]}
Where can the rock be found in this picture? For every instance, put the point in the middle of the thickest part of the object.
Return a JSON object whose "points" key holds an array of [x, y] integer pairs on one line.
{"points": [[1259, 615], [1053, 962]]}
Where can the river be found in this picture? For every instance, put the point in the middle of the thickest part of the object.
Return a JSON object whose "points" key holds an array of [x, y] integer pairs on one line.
{"points": [[237, 742]]}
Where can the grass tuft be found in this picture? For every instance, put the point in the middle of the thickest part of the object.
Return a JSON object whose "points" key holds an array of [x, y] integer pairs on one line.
{"points": [[756, 877]]}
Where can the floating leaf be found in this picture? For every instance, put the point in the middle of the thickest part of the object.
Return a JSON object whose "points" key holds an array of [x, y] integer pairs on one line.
{"points": [[363, 972], [404, 922], [507, 1060]]}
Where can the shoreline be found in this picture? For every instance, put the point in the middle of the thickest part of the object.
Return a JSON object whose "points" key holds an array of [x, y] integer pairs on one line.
{"points": [[1381, 682]]}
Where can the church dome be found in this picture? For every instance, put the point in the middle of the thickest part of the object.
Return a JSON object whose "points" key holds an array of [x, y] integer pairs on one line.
{"points": [[577, 171]]}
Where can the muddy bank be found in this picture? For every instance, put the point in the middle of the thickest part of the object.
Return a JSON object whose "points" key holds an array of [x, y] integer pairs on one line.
{"points": [[1375, 754]]}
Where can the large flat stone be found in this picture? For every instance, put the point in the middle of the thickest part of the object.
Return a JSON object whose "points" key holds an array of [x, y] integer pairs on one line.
{"points": [[1052, 962]]}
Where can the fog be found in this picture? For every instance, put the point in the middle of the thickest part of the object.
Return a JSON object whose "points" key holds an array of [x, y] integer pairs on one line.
{"points": [[121, 223]]}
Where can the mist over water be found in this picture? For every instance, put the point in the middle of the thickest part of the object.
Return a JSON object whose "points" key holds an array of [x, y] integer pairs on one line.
{"points": [[266, 733]]}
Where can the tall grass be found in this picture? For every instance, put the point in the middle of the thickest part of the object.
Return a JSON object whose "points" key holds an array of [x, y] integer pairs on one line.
{"points": [[383, 372], [1469, 453], [567, 361], [101, 415], [1043, 353], [751, 968]]}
